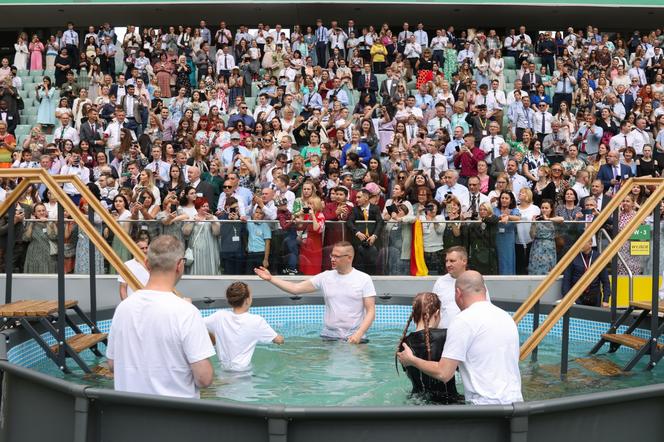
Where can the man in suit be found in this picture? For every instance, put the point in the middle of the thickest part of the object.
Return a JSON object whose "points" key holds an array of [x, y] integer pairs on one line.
{"points": [[202, 187], [131, 104], [456, 85], [367, 84], [92, 131], [11, 118], [119, 89], [613, 173], [531, 79], [597, 293], [388, 87], [626, 99], [499, 164], [365, 234], [597, 192]]}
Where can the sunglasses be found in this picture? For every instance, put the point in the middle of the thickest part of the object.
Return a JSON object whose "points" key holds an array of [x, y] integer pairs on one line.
{"points": [[228, 187]]}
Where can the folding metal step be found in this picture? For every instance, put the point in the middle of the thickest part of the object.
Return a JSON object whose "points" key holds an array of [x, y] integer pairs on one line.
{"points": [[81, 342]]}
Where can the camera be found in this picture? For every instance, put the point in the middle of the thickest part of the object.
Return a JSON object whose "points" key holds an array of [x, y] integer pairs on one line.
{"points": [[539, 218], [448, 195], [306, 210], [141, 200], [173, 208], [392, 209], [232, 210]]}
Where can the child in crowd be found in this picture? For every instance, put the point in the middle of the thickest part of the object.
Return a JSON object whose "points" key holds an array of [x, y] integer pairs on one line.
{"points": [[236, 332], [427, 342], [258, 244]]}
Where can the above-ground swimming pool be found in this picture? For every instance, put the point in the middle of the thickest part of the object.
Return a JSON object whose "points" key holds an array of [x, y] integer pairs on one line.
{"points": [[307, 371], [310, 390]]}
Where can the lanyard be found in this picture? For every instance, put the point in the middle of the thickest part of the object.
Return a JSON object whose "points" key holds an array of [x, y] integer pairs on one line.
{"points": [[590, 260]]}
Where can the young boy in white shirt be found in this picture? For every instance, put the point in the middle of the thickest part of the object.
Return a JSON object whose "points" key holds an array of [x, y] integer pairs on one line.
{"points": [[236, 331]]}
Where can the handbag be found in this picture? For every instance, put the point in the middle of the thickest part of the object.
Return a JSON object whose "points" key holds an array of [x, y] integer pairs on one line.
{"points": [[189, 252]]}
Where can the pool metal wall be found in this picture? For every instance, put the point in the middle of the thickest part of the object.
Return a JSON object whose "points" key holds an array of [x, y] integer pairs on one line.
{"points": [[37, 407]]}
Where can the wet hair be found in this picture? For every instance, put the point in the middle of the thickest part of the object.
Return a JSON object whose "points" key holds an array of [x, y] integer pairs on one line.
{"points": [[237, 293], [425, 306]]}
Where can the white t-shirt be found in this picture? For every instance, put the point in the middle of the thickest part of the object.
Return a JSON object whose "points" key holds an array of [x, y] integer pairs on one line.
{"points": [[485, 340], [523, 229], [445, 289], [139, 271], [344, 300], [154, 338], [236, 337]]}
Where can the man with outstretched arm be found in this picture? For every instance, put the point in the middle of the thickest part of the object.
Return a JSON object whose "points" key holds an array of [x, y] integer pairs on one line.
{"points": [[350, 296], [483, 342]]}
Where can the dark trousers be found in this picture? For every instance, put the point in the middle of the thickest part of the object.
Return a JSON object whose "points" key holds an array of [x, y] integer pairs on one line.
{"points": [[321, 53], [232, 263], [439, 57], [254, 260], [591, 299], [522, 258], [548, 61], [366, 258], [519, 133], [559, 98]]}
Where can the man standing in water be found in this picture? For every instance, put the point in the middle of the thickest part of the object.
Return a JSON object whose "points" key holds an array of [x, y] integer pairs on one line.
{"points": [[158, 343], [483, 342], [350, 296], [456, 262]]}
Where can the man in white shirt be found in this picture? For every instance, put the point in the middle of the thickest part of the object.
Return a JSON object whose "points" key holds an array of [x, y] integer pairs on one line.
{"points": [[475, 199], [421, 36], [159, 168], [350, 296], [264, 106], [158, 343], [439, 120], [225, 61], [456, 262], [641, 136], [412, 51], [483, 342], [66, 132], [581, 184], [137, 269], [623, 139], [433, 163], [495, 103], [113, 131], [491, 143], [466, 54], [337, 94], [451, 187], [542, 121], [518, 181], [74, 167]]}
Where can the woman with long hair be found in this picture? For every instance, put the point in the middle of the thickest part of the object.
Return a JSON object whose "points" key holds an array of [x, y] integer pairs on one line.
{"points": [[427, 342], [202, 240], [506, 212], [482, 254], [122, 214], [39, 234]]}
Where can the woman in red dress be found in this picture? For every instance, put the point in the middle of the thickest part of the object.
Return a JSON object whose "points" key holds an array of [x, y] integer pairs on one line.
{"points": [[311, 247]]}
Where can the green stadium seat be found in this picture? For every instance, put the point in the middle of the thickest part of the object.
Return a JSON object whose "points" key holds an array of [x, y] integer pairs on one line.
{"points": [[23, 73], [30, 119], [23, 129], [254, 90], [509, 63], [251, 103]]}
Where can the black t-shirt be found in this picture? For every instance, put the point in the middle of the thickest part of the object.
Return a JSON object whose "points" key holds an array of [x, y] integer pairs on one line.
{"points": [[428, 388]]}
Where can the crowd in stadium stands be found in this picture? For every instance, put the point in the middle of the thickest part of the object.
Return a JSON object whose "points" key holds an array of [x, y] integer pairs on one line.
{"points": [[333, 131]]}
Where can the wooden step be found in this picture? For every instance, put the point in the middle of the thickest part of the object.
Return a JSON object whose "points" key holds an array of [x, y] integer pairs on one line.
{"points": [[32, 308], [630, 341], [646, 305], [80, 342]]}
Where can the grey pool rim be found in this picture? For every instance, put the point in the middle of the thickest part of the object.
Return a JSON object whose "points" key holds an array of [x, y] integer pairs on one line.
{"points": [[36, 407]]}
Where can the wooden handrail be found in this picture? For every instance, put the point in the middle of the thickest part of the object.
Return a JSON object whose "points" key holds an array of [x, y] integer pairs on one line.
{"points": [[32, 176], [574, 250], [595, 268]]}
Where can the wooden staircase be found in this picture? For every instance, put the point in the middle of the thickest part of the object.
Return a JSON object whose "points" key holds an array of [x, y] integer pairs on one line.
{"points": [[29, 313], [639, 311]]}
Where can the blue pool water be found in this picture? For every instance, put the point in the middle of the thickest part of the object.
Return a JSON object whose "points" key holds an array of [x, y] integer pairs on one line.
{"points": [[306, 371]]}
